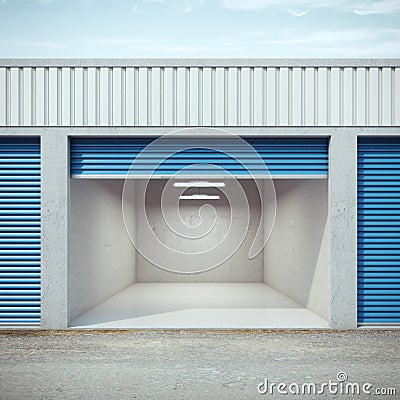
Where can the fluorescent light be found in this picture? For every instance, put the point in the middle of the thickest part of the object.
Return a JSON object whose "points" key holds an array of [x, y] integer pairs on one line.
{"points": [[199, 197], [199, 184]]}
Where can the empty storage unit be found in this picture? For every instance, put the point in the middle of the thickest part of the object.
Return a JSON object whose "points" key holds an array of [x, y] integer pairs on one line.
{"points": [[199, 193], [201, 275]]}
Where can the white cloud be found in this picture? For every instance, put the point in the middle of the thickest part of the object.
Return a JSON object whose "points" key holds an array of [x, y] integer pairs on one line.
{"points": [[283, 4], [185, 49], [48, 45], [376, 7], [256, 34], [188, 9], [179, 6], [326, 43], [328, 37], [298, 13], [360, 7], [118, 41], [187, 6], [383, 42]]}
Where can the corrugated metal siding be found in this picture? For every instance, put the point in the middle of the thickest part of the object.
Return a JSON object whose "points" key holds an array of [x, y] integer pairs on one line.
{"points": [[379, 231], [97, 156], [199, 96], [19, 231]]}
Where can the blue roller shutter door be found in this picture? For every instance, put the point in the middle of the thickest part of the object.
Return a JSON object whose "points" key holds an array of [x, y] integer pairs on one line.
{"points": [[19, 231], [113, 157], [379, 231]]}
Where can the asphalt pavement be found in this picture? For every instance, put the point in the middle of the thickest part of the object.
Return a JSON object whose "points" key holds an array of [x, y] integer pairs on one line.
{"points": [[199, 364]]}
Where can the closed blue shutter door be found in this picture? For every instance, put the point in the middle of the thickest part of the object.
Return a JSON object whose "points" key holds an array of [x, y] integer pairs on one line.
{"points": [[113, 157], [19, 231], [379, 231]]}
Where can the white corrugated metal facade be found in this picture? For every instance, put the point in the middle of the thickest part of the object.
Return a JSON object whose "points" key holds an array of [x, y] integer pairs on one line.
{"points": [[209, 93]]}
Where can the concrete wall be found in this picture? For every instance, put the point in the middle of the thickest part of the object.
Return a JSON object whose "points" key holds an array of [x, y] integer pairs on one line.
{"points": [[297, 254], [343, 228], [238, 268], [54, 235], [101, 256]]}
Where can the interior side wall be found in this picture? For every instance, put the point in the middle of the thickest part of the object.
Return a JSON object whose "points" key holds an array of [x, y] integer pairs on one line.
{"points": [[101, 257], [297, 254], [238, 268]]}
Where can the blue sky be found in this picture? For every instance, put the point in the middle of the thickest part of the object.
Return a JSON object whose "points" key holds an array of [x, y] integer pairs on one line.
{"points": [[200, 28]]}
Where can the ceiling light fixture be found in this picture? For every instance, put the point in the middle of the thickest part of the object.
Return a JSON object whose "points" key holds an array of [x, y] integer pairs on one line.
{"points": [[199, 197], [199, 184]]}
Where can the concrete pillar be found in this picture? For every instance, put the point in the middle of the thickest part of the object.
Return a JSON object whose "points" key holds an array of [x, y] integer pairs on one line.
{"points": [[343, 221], [55, 180]]}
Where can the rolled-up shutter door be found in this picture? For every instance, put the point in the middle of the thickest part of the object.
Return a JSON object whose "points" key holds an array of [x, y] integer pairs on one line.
{"points": [[95, 157], [379, 231], [19, 231]]}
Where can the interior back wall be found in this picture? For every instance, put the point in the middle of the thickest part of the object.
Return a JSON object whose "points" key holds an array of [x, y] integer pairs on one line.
{"points": [[237, 268]]}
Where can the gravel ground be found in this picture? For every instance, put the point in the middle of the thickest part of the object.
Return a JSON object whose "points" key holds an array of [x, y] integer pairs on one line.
{"points": [[191, 364]]}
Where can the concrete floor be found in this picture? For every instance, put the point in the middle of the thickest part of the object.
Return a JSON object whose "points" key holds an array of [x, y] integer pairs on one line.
{"points": [[199, 305], [190, 364]]}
